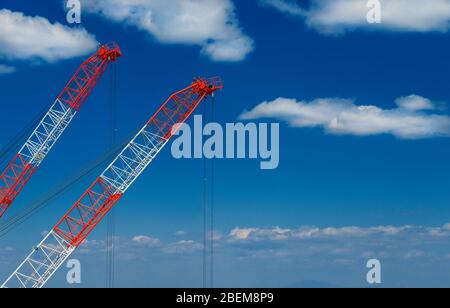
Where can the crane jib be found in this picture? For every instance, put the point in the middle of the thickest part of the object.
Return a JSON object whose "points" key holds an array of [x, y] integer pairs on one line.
{"points": [[109, 187], [53, 124]]}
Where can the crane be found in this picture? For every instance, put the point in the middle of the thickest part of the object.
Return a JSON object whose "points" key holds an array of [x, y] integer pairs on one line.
{"points": [[55, 121], [73, 228]]}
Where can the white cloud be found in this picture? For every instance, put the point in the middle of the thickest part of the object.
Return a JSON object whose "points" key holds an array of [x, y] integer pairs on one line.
{"points": [[284, 6], [334, 244], [27, 38], [414, 102], [146, 240], [215, 235], [410, 119], [180, 233], [242, 233], [439, 231], [182, 247], [334, 240], [306, 232], [6, 69], [335, 16], [324, 245], [211, 24]]}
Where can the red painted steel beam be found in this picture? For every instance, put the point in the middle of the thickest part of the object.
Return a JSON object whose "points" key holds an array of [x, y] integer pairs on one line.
{"points": [[74, 95]]}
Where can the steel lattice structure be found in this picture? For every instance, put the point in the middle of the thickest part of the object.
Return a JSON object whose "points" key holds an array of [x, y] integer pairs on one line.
{"points": [[53, 124], [109, 187]]}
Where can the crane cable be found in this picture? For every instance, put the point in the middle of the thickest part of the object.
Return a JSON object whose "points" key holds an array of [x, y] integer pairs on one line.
{"points": [[208, 209], [15, 221], [205, 207], [213, 180], [20, 137], [13, 145], [110, 236]]}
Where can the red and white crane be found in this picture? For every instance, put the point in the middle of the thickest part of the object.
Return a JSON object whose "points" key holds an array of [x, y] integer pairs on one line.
{"points": [[109, 187], [53, 124]]}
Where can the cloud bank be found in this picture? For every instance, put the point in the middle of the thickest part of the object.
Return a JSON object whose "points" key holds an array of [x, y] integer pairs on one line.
{"points": [[211, 24], [337, 16], [273, 256], [354, 241], [30, 38], [414, 116], [342, 245], [311, 232]]}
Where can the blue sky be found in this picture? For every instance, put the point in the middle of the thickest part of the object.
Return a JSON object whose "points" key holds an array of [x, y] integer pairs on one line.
{"points": [[344, 170]]}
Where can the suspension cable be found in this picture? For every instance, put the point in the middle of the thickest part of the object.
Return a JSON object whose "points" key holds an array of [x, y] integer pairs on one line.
{"points": [[15, 221], [20, 137], [213, 171], [208, 208], [110, 241], [205, 207]]}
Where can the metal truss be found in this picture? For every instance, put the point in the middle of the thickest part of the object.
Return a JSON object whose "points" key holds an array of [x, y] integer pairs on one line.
{"points": [[41, 263], [55, 121], [105, 192], [47, 133]]}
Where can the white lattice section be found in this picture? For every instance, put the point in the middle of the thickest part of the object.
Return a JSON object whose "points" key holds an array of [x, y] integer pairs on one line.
{"points": [[47, 132], [136, 156], [41, 263], [51, 253]]}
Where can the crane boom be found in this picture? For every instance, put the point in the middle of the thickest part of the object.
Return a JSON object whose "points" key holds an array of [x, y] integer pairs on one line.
{"points": [[109, 187], [53, 124]]}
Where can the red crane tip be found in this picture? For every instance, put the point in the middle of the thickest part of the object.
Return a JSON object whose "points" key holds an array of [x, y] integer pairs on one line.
{"points": [[207, 85], [110, 51]]}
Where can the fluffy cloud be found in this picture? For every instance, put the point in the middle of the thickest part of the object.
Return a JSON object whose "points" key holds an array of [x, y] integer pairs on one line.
{"points": [[251, 254], [180, 233], [413, 256], [330, 244], [284, 6], [210, 24], [146, 240], [243, 234], [410, 119], [340, 245], [182, 247], [134, 246], [24, 38], [6, 69], [306, 232], [334, 16]]}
